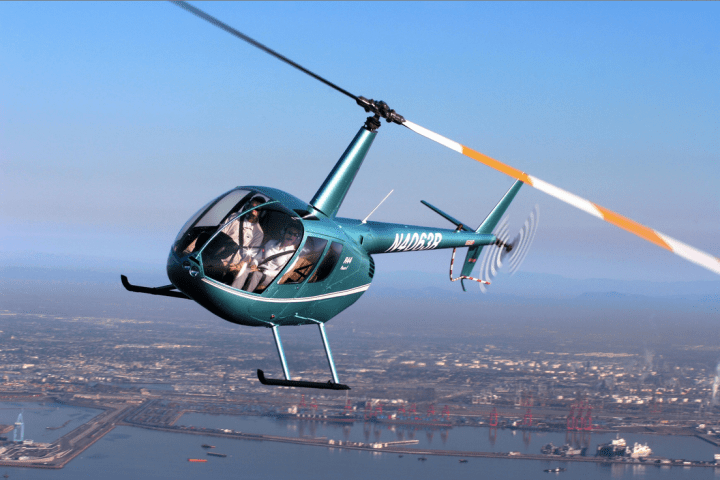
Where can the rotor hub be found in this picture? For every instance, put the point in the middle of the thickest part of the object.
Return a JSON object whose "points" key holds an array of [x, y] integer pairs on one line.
{"points": [[381, 110]]}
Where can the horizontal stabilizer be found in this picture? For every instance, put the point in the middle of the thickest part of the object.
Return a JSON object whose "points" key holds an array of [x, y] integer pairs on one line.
{"points": [[447, 217]]}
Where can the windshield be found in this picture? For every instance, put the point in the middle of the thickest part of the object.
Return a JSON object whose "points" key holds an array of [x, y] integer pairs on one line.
{"points": [[252, 248], [206, 221]]}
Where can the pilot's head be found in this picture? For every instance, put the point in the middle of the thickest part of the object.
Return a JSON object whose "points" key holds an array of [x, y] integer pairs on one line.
{"points": [[254, 216], [291, 236]]}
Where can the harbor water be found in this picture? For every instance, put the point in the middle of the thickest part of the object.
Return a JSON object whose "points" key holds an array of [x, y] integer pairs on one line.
{"points": [[475, 439], [130, 452]]}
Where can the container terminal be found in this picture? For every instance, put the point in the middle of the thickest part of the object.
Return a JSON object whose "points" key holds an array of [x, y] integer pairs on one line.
{"points": [[163, 413]]}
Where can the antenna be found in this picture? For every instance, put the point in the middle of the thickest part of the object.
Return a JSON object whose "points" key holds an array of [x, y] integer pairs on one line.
{"points": [[373, 210]]}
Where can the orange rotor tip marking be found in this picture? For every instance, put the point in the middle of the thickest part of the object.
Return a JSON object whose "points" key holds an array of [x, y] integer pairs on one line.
{"points": [[633, 227], [497, 165]]}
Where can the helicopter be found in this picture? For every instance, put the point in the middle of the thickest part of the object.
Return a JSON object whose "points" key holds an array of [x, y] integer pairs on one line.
{"points": [[261, 257]]}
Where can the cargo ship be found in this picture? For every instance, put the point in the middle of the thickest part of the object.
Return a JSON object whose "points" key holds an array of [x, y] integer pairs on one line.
{"points": [[434, 422], [616, 448], [640, 451], [346, 419], [565, 451], [205, 445], [548, 449], [197, 460], [217, 454], [416, 423]]}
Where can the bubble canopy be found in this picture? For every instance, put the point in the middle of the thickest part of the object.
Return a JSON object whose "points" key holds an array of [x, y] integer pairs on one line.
{"points": [[244, 239]]}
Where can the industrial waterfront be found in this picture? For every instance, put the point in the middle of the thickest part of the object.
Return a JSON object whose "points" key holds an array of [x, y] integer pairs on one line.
{"points": [[235, 427], [138, 395]]}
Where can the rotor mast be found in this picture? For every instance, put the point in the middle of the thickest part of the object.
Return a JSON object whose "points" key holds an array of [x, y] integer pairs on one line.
{"points": [[329, 197]]}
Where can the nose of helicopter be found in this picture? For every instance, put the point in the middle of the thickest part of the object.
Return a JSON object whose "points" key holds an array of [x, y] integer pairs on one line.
{"points": [[183, 272]]}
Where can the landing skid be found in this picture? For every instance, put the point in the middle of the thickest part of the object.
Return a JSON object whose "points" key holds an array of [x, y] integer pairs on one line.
{"points": [[333, 384], [165, 291], [329, 385]]}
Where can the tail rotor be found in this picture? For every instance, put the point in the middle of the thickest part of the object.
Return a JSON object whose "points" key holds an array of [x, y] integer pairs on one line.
{"points": [[510, 253]]}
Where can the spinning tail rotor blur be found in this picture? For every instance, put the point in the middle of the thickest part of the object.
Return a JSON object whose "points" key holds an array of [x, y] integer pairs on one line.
{"points": [[505, 252]]}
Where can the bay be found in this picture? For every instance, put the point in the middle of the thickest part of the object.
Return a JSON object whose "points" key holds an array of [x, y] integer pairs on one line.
{"points": [[131, 452], [475, 439]]}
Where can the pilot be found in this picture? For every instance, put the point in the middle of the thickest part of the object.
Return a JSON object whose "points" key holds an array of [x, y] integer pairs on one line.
{"points": [[277, 253], [249, 237]]}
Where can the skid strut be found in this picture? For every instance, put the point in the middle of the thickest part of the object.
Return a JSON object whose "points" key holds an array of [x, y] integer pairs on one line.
{"points": [[333, 384], [328, 353], [281, 352]]}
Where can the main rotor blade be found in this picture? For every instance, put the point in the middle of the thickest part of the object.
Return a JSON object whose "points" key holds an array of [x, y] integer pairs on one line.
{"points": [[209, 18], [677, 247]]}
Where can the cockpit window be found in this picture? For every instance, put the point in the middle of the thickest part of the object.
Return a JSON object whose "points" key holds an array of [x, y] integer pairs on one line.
{"points": [[306, 262], [328, 263], [224, 208], [205, 222], [252, 248], [193, 219]]}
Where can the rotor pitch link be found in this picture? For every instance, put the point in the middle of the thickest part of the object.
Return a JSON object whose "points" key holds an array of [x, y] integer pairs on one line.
{"points": [[462, 277], [300, 383]]}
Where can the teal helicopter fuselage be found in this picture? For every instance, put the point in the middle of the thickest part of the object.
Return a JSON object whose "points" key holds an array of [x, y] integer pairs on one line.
{"points": [[326, 269], [341, 247]]}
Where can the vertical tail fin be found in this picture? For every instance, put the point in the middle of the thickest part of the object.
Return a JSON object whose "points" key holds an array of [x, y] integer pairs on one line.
{"points": [[492, 220], [488, 226]]}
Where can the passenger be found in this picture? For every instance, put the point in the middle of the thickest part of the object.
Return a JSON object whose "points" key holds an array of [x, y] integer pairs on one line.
{"points": [[277, 254], [249, 239]]}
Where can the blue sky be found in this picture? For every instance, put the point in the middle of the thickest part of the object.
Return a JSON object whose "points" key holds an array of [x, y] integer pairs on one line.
{"points": [[119, 120]]}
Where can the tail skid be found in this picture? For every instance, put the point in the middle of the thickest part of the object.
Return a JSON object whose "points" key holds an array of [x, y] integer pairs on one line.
{"points": [[463, 277]]}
